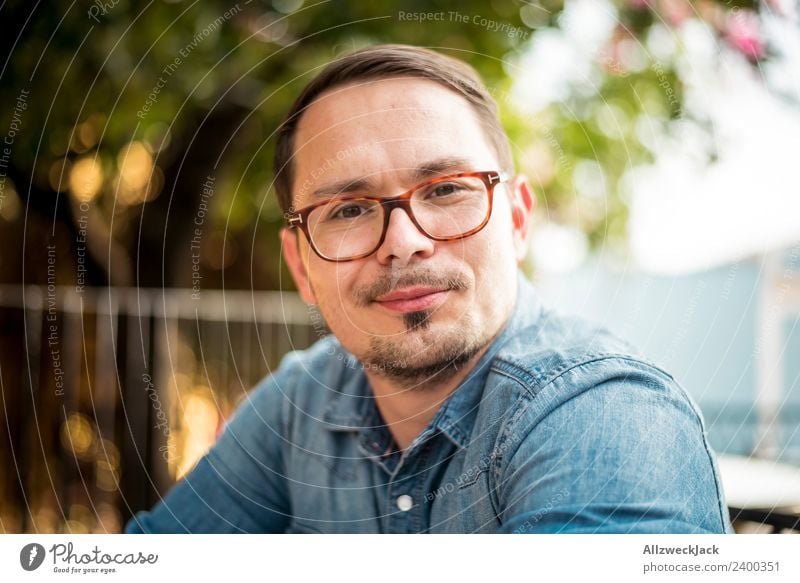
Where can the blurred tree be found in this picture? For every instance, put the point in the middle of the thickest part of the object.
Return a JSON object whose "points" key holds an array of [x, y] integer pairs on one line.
{"points": [[132, 123]]}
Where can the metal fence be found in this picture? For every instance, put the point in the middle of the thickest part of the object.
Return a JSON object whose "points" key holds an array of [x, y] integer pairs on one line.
{"points": [[108, 395]]}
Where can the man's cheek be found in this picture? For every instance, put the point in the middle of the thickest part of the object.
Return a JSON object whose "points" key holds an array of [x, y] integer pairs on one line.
{"points": [[496, 246]]}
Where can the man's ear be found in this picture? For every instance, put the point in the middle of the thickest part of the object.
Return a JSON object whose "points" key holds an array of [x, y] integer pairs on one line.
{"points": [[523, 201], [290, 245]]}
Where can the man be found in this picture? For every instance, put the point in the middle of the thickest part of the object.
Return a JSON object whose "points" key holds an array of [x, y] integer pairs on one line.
{"points": [[447, 399]]}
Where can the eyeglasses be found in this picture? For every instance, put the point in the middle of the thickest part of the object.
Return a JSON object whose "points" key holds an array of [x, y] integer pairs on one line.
{"points": [[443, 208]]}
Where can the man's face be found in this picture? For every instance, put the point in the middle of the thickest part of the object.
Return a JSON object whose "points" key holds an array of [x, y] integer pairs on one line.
{"points": [[416, 308]]}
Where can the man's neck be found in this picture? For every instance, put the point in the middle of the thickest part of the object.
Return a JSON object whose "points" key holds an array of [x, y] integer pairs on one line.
{"points": [[407, 412]]}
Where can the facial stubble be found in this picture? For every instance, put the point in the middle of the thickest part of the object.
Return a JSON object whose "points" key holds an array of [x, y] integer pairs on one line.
{"points": [[438, 358], [443, 357]]}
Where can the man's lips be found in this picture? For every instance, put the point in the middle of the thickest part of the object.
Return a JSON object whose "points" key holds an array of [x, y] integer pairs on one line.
{"points": [[412, 299]]}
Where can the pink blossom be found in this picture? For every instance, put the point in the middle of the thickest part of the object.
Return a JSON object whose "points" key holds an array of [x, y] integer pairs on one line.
{"points": [[744, 33], [676, 12]]}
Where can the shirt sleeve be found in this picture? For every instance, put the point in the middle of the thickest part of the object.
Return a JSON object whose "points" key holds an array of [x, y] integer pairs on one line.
{"points": [[239, 486], [627, 455]]}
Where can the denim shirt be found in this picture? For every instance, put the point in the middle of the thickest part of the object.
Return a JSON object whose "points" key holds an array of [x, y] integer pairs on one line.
{"points": [[559, 428]]}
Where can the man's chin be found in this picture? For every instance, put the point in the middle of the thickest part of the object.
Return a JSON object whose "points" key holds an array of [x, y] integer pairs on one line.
{"points": [[425, 354], [423, 327], [415, 370]]}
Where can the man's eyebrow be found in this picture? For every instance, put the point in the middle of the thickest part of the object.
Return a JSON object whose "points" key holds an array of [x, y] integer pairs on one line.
{"points": [[342, 187], [438, 167]]}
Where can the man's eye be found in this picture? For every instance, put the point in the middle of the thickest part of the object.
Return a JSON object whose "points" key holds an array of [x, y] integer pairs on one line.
{"points": [[446, 189], [350, 211]]}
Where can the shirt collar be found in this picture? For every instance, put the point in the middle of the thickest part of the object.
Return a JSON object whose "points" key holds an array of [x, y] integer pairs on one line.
{"points": [[457, 415], [353, 407]]}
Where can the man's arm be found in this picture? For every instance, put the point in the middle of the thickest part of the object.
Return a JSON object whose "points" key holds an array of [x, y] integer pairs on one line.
{"points": [[239, 486], [627, 455]]}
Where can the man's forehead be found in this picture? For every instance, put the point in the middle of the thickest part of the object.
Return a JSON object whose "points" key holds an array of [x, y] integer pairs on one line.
{"points": [[405, 96], [356, 116], [397, 125]]}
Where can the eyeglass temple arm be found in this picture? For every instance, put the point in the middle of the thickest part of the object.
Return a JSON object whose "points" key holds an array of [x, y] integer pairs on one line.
{"points": [[501, 177]]}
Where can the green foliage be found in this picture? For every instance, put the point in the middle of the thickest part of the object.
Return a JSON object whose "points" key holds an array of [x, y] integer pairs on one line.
{"points": [[204, 86]]}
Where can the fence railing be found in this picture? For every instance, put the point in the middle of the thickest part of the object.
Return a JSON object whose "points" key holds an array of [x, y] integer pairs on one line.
{"points": [[108, 395]]}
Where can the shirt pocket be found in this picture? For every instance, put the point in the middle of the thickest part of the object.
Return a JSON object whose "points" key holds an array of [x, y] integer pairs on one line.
{"points": [[474, 471]]}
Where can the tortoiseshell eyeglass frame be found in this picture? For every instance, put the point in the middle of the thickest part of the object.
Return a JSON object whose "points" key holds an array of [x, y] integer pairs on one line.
{"points": [[491, 178]]}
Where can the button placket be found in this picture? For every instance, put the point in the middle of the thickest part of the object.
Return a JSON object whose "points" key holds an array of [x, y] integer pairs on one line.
{"points": [[406, 513]]}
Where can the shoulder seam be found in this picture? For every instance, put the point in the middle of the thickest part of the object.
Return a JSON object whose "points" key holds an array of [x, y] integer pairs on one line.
{"points": [[533, 384]]}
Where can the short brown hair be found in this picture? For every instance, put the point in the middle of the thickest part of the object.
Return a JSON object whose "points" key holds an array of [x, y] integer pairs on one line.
{"points": [[381, 62]]}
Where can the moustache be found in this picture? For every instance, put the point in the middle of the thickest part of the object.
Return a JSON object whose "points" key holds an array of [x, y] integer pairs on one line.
{"points": [[389, 281]]}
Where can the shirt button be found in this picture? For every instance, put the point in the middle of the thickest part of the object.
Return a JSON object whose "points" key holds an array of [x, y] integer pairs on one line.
{"points": [[405, 502]]}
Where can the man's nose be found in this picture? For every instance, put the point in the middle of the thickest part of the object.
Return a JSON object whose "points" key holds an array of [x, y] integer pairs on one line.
{"points": [[403, 241]]}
